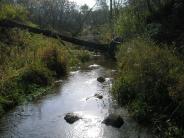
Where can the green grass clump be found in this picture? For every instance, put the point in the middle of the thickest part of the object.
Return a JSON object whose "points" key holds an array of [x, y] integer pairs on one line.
{"points": [[13, 12], [34, 74], [53, 59], [83, 55], [151, 84], [17, 86], [30, 63]]}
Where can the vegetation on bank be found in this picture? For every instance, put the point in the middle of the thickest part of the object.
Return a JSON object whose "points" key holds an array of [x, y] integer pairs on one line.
{"points": [[150, 64], [29, 63], [160, 20], [13, 12], [150, 61], [150, 83], [64, 16]]}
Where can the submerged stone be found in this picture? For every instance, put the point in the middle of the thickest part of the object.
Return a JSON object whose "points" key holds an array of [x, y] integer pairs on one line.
{"points": [[71, 118], [101, 79], [113, 120], [94, 66], [58, 81], [98, 96]]}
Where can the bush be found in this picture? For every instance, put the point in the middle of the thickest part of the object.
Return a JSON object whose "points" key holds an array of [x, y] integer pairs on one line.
{"points": [[83, 56], [21, 80], [22, 72], [29, 64], [130, 22], [13, 12], [34, 74], [3, 104], [53, 58], [150, 82], [15, 89]]}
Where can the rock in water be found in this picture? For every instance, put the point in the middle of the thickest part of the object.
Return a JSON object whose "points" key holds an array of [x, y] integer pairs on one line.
{"points": [[58, 82], [98, 96], [114, 120], [101, 79], [71, 118]]}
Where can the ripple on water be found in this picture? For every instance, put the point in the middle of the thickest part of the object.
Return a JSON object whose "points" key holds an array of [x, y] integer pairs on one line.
{"points": [[94, 66], [74, 72], [90, 81]]}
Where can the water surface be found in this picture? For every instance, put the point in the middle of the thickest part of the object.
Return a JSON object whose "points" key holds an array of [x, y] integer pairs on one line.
{"points": [[45, 117]]}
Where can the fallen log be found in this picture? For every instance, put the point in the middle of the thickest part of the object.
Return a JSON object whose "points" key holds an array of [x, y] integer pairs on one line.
{"points": [[85, 44]]}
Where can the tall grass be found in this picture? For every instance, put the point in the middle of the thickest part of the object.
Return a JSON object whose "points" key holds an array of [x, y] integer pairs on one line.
{"points": [[13, 12], [150, 84], [29, 64]]}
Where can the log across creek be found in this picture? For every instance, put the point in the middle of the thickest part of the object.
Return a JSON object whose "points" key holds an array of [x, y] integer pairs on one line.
{"points": [[82, 43]]}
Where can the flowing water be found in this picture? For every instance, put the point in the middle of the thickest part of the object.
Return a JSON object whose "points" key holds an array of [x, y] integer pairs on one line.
{"points": [[45, 117]]}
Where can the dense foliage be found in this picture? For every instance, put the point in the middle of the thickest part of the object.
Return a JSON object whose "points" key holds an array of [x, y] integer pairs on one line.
{"points": [[161, 20], [150, 60], [11, 12], [29, 63], [151, 68], [150, 83], [63, 15]]}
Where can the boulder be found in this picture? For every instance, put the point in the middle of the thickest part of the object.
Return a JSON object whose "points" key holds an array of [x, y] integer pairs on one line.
{"points": [[101, 79], [98, 96], [113, 120], [71, 118]]}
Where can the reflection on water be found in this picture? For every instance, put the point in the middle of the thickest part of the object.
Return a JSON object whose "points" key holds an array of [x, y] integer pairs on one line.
{"points": [[44, 118]]}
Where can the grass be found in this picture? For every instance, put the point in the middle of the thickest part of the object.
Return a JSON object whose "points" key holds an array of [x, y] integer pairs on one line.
{"points": [[30, 63], [150, 83], [13, 12], [54, 61]]}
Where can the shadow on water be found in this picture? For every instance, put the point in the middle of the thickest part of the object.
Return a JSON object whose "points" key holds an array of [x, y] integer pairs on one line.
{"points": [[44, 118]]}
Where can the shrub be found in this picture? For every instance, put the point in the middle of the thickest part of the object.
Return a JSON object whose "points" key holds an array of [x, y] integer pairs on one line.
{"points": [[34, 74], [53, 58], [150, 82], [10, 92], [2, 104], [83, 56], [130, 22], [20, 80], [15, 87], [13, 12], [29, 63]]}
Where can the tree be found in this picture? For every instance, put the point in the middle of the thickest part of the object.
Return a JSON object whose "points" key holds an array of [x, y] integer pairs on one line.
{"points": [[84, 9]]}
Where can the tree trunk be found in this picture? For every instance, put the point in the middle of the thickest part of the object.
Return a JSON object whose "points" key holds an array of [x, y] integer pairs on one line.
{"points": [[85, 44], [149, 6]]}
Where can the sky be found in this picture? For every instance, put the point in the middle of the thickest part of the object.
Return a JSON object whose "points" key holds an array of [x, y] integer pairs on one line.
{"points": [[90, 3]]}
